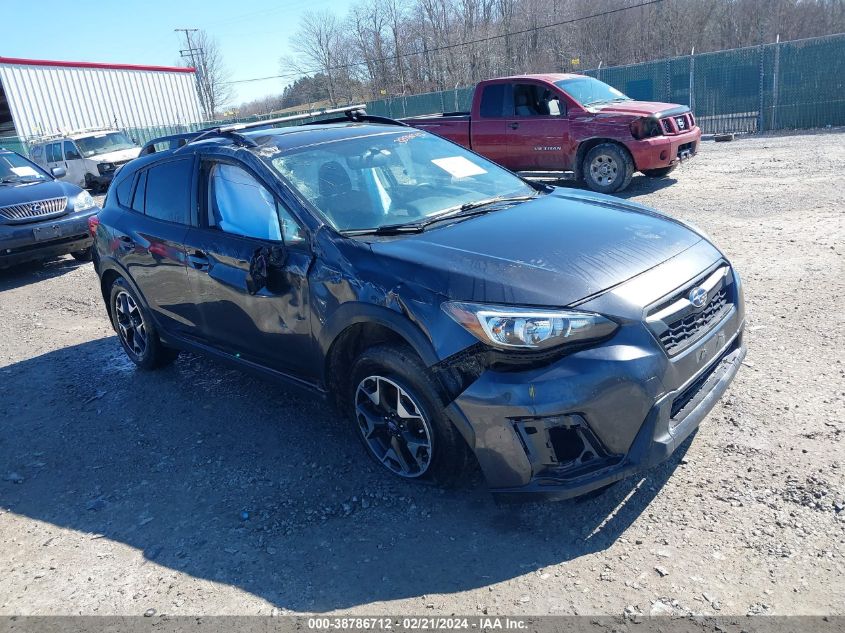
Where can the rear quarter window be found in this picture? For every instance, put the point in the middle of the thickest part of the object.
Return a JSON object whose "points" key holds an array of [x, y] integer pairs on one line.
{"points": [[492, 101], [168, 190], [123, 190]]}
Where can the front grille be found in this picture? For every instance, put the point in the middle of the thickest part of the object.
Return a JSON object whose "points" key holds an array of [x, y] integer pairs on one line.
{"points": [[677, 124], [695, 325], [37, 210], [694, 388]]}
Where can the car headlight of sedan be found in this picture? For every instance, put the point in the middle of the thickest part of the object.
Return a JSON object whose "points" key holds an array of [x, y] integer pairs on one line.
{"points": [[83, 202], [509, 327]]}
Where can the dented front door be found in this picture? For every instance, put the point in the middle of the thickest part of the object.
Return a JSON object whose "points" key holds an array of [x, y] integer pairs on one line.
{"points": [[267, 325]]}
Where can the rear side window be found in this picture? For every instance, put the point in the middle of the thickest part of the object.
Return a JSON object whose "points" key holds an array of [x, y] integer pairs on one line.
{"points": [[492, 100], [140, 193], [123, 190], [168, 191]]}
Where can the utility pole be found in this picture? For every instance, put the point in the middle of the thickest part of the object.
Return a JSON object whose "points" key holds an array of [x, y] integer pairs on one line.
{"points": [[194, 54]]}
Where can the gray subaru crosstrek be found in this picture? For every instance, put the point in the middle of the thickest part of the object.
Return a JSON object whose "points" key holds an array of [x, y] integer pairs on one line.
{"points": [[565, 339]]}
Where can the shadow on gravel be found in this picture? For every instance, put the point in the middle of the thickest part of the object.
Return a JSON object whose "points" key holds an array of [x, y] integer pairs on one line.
{"points": [[210, 472], [30, 272]]}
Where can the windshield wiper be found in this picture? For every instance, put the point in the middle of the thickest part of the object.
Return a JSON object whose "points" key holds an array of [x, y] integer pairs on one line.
{"points": [[468, 209]]}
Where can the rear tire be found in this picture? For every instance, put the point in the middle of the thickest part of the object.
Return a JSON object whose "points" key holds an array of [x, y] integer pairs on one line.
{"points": [[607, 168], [661, 172], [83, 255], [399, 416], [135, 329]]}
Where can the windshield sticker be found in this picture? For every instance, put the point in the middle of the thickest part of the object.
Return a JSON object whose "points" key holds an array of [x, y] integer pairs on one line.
{"points": [[458, 166], [407, 137], [24, 171]]}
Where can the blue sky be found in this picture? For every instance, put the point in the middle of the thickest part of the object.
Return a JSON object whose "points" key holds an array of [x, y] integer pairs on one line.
{"points": [[253, 34]]}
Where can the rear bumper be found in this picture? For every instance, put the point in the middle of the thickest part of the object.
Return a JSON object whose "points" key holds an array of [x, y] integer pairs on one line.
{"points": [[665, 151], [18, 243]]}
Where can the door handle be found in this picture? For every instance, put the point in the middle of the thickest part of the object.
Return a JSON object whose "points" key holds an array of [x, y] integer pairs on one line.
{"points": [[199, 260], [514, 125]]}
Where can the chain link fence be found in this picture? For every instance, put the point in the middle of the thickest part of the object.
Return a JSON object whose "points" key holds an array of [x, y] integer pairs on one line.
{"points": [[782, 85]]}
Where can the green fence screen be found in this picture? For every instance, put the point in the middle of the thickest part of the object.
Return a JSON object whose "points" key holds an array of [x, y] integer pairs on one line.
{"points": [[785, 85]]}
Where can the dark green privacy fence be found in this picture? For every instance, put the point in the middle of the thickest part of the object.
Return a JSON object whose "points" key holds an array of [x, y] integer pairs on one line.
{"points": [[785, 85], [782, 85]]}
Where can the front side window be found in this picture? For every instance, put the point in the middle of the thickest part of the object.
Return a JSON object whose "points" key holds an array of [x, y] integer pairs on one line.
{"points": [[391, 177], [239, 204], [168, 191], [103, 143], [590, 92], [535, 100], [70, 151]]}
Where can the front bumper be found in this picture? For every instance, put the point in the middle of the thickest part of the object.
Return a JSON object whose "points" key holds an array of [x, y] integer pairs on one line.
{"points": [[18, 243], [665, 151], [599, 415]]}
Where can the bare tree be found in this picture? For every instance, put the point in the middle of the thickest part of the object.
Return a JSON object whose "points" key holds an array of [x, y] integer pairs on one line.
{"points": [[214, 89], [399, 47]]}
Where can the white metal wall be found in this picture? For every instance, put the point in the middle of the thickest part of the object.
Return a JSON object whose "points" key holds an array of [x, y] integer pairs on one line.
{"points": [[47, 99]]}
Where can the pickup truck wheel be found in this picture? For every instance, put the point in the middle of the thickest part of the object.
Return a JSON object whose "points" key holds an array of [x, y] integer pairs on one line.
{"points": [[399, 417], [136, 331], [607, 168], [662, 172]]}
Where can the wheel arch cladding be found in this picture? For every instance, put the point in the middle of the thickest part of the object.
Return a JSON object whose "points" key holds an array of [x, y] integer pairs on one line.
{"points": [[371, 326]]}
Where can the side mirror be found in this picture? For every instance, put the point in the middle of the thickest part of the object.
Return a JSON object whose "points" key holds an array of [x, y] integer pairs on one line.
{"points": [[58, 172]]}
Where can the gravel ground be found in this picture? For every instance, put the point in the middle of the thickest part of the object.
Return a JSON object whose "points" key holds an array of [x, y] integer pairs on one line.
{"points": [[200, 490]]}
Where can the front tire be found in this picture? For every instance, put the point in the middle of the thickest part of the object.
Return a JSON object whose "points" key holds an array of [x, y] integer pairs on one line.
{"points": [[607, 168], [661, 172], [135, 329], [399, 416]]}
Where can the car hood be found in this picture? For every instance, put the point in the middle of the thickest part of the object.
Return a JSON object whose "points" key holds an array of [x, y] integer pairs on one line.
{"points": [[119, 156], [552, 251], [637, 108], [18, 194]]}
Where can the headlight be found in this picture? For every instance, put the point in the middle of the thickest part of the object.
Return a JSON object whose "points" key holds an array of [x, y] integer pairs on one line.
{"points": [[83, 202], [104, 168], [645, 127], [508, 327]]}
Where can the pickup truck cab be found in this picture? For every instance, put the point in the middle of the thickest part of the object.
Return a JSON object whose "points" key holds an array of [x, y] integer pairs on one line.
{"points": [[566, 125]]}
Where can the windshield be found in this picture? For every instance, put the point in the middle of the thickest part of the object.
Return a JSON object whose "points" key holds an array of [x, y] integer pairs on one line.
{"points": [[15, 169], [103, 143], [588, 91], [389, 178]]}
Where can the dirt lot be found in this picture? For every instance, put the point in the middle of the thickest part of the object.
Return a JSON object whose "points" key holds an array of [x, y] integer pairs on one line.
{"points": [[200, 490]]}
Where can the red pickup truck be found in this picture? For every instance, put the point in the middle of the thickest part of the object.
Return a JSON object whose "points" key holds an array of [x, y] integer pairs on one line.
{"points": [[564, 125]]}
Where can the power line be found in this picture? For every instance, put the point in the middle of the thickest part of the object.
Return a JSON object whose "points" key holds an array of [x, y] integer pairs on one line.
{"points": [[449, 46]]}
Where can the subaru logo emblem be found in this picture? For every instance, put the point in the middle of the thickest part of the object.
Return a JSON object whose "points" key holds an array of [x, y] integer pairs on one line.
{"points": [[698, 297]]}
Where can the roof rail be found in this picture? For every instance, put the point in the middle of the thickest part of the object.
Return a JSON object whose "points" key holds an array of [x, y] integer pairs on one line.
{"points": [[233, 131], [174, 141]]}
